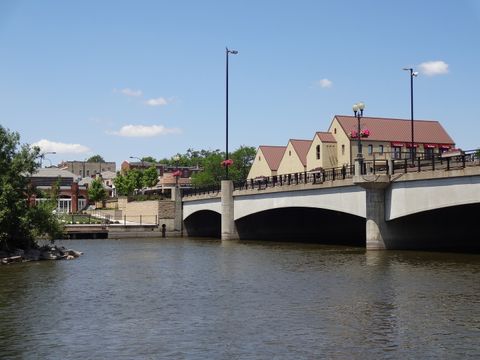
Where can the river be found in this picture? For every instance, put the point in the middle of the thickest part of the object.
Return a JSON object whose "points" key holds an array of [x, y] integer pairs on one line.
{"points": [[207, 299]]}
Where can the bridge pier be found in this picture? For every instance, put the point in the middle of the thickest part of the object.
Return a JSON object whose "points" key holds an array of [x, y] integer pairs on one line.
{"points": [[377, 232], [229, 230]]}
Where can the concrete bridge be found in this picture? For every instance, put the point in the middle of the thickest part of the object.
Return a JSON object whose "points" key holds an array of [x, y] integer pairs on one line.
{"points": [[428, 209]]}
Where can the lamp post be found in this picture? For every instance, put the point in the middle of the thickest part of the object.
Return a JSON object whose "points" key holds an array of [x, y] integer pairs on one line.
{"points": [[358, 112], [412, 75], [141, 160], [176, 173], [42, 156], [227, 52]]}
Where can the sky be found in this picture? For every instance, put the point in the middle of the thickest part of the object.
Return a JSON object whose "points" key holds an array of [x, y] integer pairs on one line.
{"points": [[147, 78]]}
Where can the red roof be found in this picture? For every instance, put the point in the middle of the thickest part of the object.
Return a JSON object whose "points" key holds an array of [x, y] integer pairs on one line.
{"points": [[301, 148], [273, 155], [325, 137], [398, 130]]}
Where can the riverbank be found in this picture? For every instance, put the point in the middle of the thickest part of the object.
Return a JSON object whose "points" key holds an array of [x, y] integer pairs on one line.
{"points": [[46, 252]]}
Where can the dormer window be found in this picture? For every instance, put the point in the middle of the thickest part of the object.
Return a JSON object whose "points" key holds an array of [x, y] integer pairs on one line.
{"points": [[318, 152]]}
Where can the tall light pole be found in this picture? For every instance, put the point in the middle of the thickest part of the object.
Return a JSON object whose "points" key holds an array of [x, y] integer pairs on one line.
{"points": [[141, 160], [412, 75], [358, 112], [42, 156], [227, 52]]}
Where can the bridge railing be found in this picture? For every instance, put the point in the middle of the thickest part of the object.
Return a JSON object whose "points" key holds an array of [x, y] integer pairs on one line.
{"points": [[386, 164], [316, 176], [212, 189]]}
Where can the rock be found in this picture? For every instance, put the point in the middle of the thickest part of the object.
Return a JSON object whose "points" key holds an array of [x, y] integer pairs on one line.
{"points": [[33, 255], [11, 259], [73, 253], [19, 252], [47, 255]]}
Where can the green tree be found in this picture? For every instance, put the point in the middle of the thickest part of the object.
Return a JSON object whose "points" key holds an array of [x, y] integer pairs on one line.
{"points": [[96, 158], [150, 177], [212, 172], [96, 191], [127, 183], [149, 159], [242, 162], [20, 223]]}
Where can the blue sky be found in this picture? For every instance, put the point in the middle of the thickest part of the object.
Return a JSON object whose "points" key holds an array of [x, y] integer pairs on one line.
{"points": [[147, 78]]}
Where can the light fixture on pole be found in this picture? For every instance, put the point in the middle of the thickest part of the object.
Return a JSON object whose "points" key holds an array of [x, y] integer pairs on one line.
{"points": [[177, 172], [412, 148], [137, 158], [42, 156], [227, 53], [358, 112]]}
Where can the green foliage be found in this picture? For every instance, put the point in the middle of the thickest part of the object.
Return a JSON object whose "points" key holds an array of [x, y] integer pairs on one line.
{"points": [[96, 191], [21, 224], [96, 158], [212, 172], [150, 177], [149, 159], [127, 183]]}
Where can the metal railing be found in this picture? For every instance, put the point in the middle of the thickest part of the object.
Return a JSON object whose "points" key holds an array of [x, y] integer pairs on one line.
{"points": [[421, 162]]}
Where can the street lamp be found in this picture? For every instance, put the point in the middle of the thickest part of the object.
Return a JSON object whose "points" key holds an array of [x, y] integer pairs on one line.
{"points": [[176, 158], [412, 75], [358, 112], [42, 156], [227, 52], [141, 160]]}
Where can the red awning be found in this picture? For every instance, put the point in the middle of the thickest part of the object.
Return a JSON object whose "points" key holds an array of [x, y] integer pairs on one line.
{"points": [[445, 146], [409, 145], [429, 146], [396, 144]]}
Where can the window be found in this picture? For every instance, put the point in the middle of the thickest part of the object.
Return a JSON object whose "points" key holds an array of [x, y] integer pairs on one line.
{"points": [[289, 153], [259, 158], [428, 153], [397, 152], [343, 149], [318, 152], [335, 130], [370, 149], [88, 172], [380, 149]]}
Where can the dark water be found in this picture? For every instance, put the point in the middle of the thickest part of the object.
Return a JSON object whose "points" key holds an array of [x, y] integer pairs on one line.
{"points": [[198, 299]]}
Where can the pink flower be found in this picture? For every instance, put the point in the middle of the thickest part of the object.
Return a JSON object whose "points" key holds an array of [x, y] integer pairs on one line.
{"points": [[228, 162], [177, 173]]}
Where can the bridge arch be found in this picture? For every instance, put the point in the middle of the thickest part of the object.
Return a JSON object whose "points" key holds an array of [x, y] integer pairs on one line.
{"points": [[305, 224], [411, 197], [348, 200], [203, 223]]}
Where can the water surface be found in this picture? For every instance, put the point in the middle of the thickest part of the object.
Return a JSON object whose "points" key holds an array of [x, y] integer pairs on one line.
{"points": [[207, 299]]}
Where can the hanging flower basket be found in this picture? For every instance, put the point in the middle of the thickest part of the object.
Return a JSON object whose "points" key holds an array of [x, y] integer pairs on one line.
{"points": [[228, 162], [177, 173], [363, 134]]}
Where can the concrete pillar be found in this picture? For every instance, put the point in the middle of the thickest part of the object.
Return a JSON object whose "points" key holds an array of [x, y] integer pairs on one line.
{"points": [[377, 232], [229, 231], [178, 220], [375, 216]]}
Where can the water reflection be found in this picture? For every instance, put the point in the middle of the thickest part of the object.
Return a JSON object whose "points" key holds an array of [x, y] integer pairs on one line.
{"points": [[189, 299]]}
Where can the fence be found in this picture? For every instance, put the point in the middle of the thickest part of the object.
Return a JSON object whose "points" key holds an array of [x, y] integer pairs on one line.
{"points": [[422, 162]]}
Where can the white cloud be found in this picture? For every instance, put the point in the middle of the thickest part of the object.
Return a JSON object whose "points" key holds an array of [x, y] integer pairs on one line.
{"points": [[157, 102], [432, 68], [145, 131], [60, 148], [129, 92], [325, 83]]}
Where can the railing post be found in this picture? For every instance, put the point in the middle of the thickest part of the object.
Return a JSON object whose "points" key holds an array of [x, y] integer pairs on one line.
{"points": [[405, 166], [124, 220], [463, 161], [448, 163], [418, 164], [433, 163], [333, 174], [140, 219]]}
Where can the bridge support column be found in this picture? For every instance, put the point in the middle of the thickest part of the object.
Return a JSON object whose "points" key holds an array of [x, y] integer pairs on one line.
{"points": [[229, 231], [377, 232], [177, 222]]}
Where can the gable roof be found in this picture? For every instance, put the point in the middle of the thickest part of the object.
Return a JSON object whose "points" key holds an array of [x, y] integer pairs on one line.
{"points": [[273, 155], [301, 147], [398, 130], [325, 137]]}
